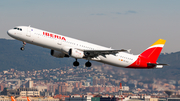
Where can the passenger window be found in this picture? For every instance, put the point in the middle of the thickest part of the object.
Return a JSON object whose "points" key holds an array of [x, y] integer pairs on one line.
{"points": [[15, 28]]}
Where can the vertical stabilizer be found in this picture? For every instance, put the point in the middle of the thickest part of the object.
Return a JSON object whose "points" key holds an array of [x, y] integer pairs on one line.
{"points": [[152, 53]]}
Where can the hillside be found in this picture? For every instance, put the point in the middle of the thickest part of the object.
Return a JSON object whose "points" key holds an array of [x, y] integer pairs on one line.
{"points": [[35, 57]]}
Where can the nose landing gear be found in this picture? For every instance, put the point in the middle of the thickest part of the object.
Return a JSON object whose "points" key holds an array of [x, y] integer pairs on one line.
{"points": [[24, 44]]}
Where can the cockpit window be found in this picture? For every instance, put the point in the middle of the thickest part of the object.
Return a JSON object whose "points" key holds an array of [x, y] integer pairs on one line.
{"points": [[18, 28]]}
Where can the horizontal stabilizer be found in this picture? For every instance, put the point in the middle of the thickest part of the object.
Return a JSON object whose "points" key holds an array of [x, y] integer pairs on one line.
{"points": [[157, 65]]}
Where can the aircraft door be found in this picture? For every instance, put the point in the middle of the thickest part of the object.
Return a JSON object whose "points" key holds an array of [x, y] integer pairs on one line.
{"points": [[28, 32]]}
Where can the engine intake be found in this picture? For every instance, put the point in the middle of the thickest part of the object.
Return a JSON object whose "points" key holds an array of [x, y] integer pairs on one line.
{"points": [[76, 53]]}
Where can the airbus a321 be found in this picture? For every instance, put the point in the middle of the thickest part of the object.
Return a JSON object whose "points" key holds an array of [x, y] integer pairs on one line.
{"points": [[63, 46]]}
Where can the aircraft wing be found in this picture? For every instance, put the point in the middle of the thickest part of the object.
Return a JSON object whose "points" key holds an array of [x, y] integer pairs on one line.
{"points": [[95, 53]]}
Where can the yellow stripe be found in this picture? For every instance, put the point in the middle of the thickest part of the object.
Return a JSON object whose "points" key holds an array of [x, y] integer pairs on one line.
{"points": [[160, 41]]}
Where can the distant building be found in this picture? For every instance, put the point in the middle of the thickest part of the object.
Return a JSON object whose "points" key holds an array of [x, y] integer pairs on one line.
{"points": [[95, 80], [173, 99], [28, 79], [21, 98], [78, 98], [87, 84], [28, 92], [29, 84], [125, 88], [8, 92], [41, 88], [80, 84], [76, 84], [90, 80], [1, 87], [21, 92], [52, 88], [63, 89], [102, 80], [5, 99]]}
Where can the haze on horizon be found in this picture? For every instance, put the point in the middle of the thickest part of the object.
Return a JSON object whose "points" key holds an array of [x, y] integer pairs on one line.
{"points": [[120, 24]]}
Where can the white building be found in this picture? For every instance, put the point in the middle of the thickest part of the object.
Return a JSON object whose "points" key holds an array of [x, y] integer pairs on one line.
{"points": [[29, 93], [78, 98], [125, 88]]}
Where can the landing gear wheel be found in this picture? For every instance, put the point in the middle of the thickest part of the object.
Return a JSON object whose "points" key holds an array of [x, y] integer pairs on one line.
{"points": [[76, 63], [24, 44], [88, 64], [22, 48]]}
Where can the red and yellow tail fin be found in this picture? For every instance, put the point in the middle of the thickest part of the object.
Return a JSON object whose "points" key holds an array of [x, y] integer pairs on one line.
{"points": [[159, 42], [28, 99], [152, 53], [12, 98]]}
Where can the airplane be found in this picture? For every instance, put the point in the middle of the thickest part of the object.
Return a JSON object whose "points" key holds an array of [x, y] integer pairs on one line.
{"points": [[12, 98], [62, 46]]}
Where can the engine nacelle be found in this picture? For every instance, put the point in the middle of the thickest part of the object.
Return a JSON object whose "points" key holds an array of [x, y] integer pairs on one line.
{"points": [[76, 53], [58, 54]]}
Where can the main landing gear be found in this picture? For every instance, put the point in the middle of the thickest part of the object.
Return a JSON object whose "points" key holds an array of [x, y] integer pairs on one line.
{"points": [[76, 63], [24, 44], [87, 64]]}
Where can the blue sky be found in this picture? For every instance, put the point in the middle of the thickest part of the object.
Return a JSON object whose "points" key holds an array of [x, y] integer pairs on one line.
{"points": [[127, 24]]}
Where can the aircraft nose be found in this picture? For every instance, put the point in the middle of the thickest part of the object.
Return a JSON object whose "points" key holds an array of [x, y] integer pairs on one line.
{"points": [[10, 32]]}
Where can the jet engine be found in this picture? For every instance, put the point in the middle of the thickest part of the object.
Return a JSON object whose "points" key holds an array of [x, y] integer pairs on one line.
{"points": [[76, 53], [58, 54]]}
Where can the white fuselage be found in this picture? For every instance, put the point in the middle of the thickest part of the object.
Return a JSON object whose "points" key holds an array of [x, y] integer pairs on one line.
{"points": [[63, 44]]}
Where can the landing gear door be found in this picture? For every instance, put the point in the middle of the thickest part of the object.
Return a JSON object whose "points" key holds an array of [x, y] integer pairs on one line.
{"points": [[28, 32]]}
